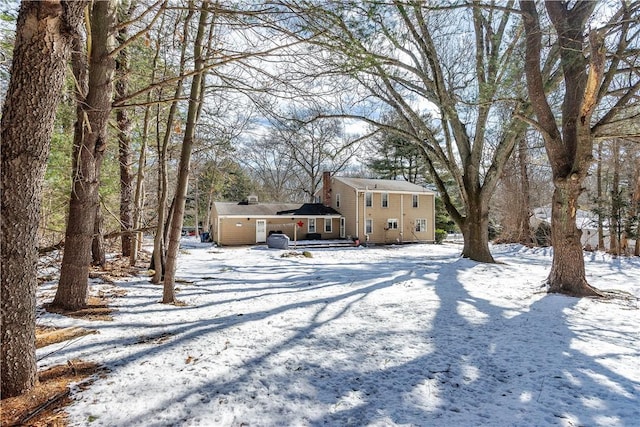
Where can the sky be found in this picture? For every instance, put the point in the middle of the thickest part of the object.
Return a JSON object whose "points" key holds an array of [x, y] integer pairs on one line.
{"points": [[408, 335]]}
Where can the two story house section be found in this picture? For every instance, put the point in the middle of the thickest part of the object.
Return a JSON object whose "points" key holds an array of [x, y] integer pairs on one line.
{"points": [[381, 210]]}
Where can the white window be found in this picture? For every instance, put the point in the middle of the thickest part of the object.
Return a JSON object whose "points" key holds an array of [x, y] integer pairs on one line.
{"points": [[385, 200], [337, 200], [312, 225], [368, 226], [327, 225], [414, 200], [368, 197], [392, 224], [421, 225]]}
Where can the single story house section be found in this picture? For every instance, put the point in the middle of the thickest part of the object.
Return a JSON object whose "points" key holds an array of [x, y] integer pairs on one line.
{"points": [[249, 223]]}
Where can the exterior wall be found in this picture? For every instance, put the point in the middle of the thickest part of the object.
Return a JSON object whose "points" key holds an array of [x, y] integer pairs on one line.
{"points": [[347, 206], [236, 231], [400, 207]]}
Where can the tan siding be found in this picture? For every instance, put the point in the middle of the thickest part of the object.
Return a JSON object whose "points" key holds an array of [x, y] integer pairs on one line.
{"points": [[347, 206], [240, 231]]}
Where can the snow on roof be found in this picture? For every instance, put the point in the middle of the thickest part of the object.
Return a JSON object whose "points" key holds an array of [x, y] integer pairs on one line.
{"points": [[584, 219], [259, 209], [383, 185]]}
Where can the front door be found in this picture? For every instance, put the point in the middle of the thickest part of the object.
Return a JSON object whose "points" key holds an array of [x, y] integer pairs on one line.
{"points": [[342, 231], [261, 230]]}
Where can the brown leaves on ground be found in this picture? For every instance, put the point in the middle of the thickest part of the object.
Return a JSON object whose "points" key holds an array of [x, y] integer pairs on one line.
{"points": [[43, 405]]}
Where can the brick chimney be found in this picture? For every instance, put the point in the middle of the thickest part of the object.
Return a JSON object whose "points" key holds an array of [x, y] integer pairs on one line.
{"points": [[326, 188]]}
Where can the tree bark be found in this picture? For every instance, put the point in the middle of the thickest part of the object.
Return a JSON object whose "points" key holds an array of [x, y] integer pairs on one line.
{"points": [[635, 206], [98, 252], [599, 201], [475, 230], [159, 253], [570, 148], [44, 34], [615, 218], [195, 99], [124, 139], [90, 141], [567, 271], [524, 210]]}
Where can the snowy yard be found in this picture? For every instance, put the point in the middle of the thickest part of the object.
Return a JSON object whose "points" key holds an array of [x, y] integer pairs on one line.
{"points": [[383, 336]]}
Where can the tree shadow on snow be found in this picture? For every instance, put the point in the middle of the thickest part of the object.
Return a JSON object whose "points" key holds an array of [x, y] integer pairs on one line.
{"points": [[470, 362]]}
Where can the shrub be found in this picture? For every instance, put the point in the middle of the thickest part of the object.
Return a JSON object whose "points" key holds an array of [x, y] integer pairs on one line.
{"points": [[440, 235]]}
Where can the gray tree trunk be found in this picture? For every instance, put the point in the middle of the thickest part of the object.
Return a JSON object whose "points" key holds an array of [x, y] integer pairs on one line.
{"points": [[89, 145], [44, 35], [195, 98]]}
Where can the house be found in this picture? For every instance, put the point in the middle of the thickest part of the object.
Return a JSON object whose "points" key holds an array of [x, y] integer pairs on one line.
{"points": [[381, 210], [371, 210], [250, 222]]}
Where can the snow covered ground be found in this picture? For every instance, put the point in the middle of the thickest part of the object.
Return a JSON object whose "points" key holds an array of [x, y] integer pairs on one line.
{"points": [[383, 336]]}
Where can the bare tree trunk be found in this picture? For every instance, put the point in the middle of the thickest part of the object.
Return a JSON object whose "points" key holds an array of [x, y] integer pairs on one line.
{"points": [[124, 139], [524, 212], [636, 206], [567, 271], [44, 34], [97, 245], [196, 203], [139, 192], [600, 204], [89, 144], [163, 180], [615, 217], [475, 230], [570, 147], [195, 99]]}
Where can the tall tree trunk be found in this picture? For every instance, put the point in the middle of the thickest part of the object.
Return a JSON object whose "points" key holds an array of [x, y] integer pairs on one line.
{"points": [[89, 144], [159, 254], [475, 230], [124, 137], [636, 205], [44, 34], [570, 147], [98, 253], [600, 199], [524, 212], [615, 217], [195, 99], [567, 271], [138, 200]]}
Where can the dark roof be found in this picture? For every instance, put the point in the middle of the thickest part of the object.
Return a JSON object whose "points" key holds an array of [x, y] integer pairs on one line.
{"points": [[311, 209], [390, 185], [259, 209]]}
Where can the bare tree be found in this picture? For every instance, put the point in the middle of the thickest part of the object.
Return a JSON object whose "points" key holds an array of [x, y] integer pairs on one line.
{"points": [[598, 88], [45, 32], [195, 99], [443, 71], [90, 139]]}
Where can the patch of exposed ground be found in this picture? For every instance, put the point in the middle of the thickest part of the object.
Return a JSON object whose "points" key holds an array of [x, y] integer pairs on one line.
{"points": [[43, 406]]}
